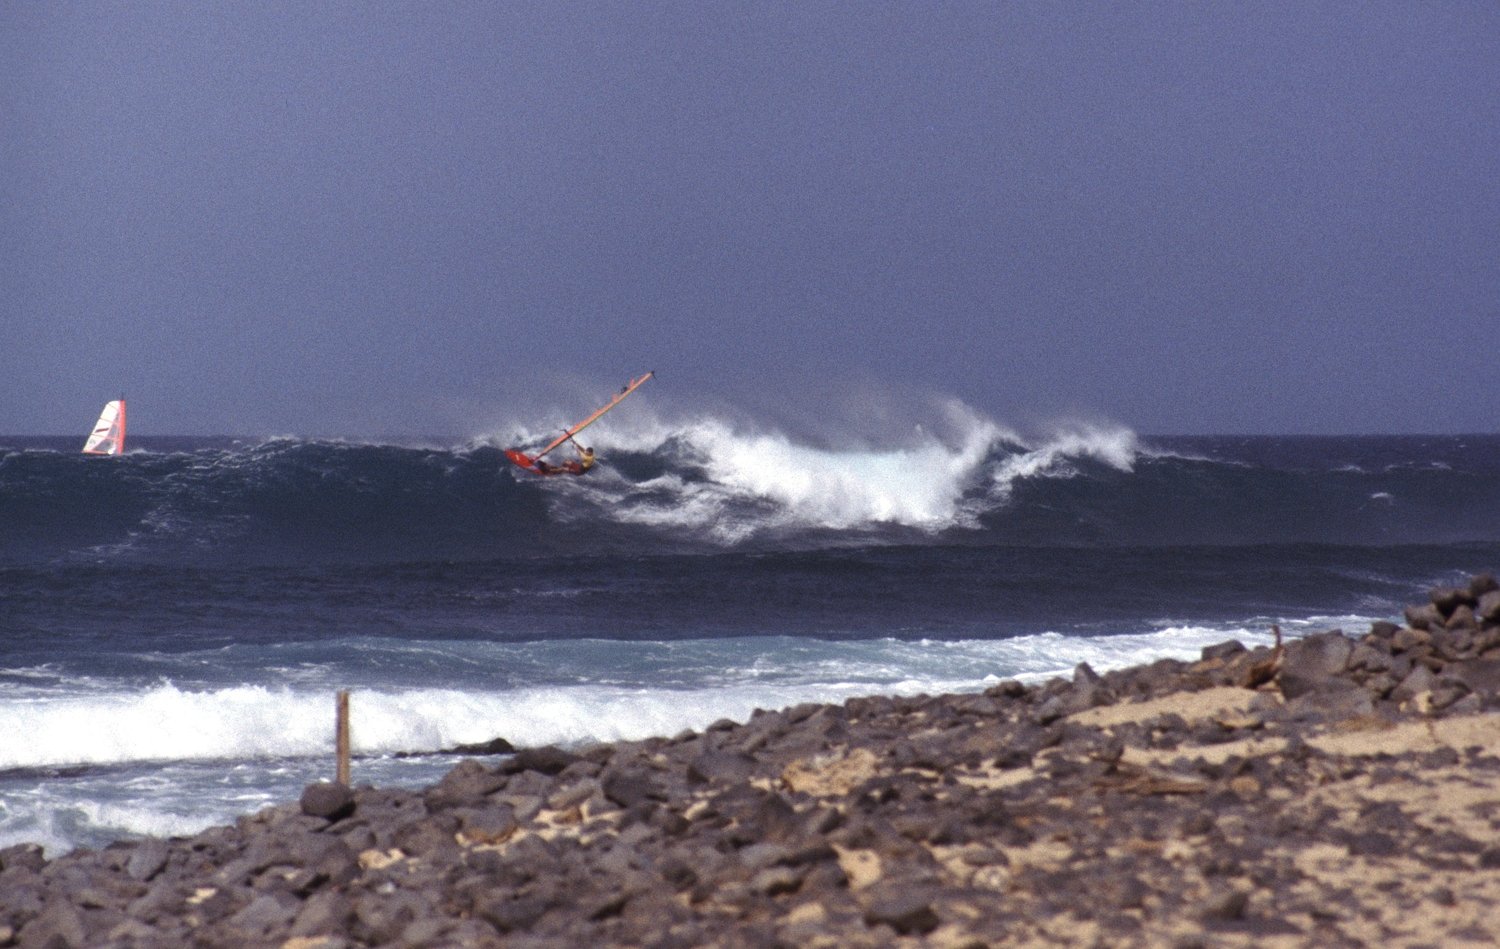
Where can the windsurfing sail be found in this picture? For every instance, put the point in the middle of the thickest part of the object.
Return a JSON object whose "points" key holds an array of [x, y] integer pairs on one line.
{"points": [[535, 463], [108, 436], [630, 387]]}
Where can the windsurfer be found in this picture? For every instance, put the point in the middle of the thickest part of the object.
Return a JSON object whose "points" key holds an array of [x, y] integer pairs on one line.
{"points": [[581, 466], [585, 461]]}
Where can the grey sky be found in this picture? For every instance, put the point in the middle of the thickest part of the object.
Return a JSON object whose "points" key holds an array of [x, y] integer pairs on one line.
{"points": [[393, 218]]}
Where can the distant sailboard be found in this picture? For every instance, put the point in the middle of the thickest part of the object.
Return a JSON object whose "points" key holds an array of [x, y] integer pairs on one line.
{"points": [[534, 463], [108, 436]]}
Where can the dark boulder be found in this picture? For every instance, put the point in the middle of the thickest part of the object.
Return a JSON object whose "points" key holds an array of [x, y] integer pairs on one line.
{"points": [[1483, 583], [1226, 906], [1425, 616], [29, 856], [547, 759], [1411, 639], [263, 916], [1488, 608], [1383, 629], [1368, 658], [1309, 664], [906, 909], [1448, 599], [60, 924], [1223, 651], [1482, 676], [329, 800], [1462, 617], [628, 788], [1448, 693], [721, 767], [1419, 680], [495, 746], [466, 785], [433, 838]]}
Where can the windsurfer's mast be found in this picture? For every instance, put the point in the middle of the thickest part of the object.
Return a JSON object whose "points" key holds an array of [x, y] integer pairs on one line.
{"points": [[630, 387]]}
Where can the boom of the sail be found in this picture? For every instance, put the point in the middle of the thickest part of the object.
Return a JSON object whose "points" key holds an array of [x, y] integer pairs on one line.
{"points": [[108, 436], [630, 387]]}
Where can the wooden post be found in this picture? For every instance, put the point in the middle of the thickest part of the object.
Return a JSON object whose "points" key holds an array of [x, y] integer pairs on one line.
{"points": [[341, 738]]}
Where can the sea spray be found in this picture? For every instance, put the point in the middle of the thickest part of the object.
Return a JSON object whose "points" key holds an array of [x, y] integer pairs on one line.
{"points": [[1050, 456]]}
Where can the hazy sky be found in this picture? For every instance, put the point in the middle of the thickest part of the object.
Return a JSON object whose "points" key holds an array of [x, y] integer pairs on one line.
{"points": [[388, 218]]}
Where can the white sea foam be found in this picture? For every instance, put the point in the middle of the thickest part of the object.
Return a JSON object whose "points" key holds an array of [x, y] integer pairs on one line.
{"points": [[162, 724], [918, 486], [757, 480], [1051, 456], [730, 478], [753, 479], [171, 762], [146, 820], [619, 691], [28, 823]]}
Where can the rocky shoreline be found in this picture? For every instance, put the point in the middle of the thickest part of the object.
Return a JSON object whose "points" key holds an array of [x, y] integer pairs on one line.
{"points": [[1335, 791]]}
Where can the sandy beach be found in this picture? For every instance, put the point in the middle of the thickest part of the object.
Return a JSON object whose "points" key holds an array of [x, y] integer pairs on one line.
{"points": [[1340, 790]]}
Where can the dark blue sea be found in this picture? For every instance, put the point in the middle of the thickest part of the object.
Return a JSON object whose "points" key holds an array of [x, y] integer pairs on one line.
{"points": [[175, 621]]}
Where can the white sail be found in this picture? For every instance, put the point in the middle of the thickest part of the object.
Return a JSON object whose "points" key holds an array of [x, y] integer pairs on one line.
{"points": [[108, 436]]}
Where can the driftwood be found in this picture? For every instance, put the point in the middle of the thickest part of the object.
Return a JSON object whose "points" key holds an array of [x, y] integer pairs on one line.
{"points": [[1263, 672]]}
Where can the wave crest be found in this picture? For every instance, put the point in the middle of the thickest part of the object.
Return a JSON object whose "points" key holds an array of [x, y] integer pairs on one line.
{"points": [[713, 481], [738, 484], [1114, 446]]}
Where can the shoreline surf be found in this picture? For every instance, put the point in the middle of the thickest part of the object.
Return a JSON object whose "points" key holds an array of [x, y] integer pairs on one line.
{"points": [[1280, 793]]}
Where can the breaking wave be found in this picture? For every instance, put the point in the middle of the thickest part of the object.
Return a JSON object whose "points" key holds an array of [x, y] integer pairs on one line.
{"points": [[711, 483]]}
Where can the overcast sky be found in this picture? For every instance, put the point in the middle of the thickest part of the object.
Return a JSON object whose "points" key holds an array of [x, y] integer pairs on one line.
{"points": [[405, 218]]}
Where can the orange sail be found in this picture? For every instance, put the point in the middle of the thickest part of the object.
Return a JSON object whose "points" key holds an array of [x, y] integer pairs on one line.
{"points": [[108, 436], [630, 387]]}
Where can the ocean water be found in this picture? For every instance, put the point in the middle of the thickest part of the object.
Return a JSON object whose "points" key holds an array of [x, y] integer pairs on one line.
{"points": [[175, 622]]}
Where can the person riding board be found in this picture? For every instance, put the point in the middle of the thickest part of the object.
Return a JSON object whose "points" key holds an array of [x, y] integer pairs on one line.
{"points": [[533, 462], [581, 466]]}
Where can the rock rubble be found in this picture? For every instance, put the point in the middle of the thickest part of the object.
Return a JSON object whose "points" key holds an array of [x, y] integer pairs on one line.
{"points": [[1334, 791]]}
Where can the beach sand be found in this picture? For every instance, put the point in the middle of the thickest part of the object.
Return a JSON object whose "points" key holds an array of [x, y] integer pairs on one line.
{"points": [[1340, 791]]}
